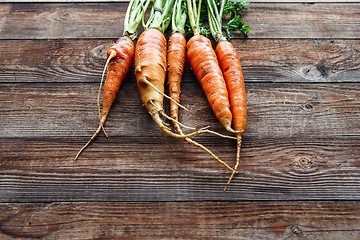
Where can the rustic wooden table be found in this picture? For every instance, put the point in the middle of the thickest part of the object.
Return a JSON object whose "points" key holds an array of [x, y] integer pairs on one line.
{"points": [[300, 162]]}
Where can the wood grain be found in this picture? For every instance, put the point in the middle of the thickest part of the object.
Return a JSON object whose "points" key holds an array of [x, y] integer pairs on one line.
{"points": [[169, 220], [105, 20], [114, 169], [274, 110], [270, 60]]}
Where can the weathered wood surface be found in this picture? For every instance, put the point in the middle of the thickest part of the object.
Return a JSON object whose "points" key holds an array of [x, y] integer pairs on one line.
{"points": [[271, 169], [105, 20], [302, 143], [181, 220], [265, 60], [274, 110]]}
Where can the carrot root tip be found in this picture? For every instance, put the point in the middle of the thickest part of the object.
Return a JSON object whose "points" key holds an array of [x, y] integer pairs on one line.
{"points": [[239, 140]]}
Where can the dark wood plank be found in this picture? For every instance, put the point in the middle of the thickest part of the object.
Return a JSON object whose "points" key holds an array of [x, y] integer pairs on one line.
{"points": [[105, 20], [163, 169], [54, 20], [202, 220], [57, 61], [274, 110]]}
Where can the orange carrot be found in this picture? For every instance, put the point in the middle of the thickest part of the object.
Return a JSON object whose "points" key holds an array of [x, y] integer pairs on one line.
{"points": [[150, 65], [176, 60], [119, 60], [231, 67], [150, 72], [204, 62]]}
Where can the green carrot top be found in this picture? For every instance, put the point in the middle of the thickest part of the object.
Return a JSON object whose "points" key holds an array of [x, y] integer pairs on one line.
{"points": [[134, 14], [160, 15]]}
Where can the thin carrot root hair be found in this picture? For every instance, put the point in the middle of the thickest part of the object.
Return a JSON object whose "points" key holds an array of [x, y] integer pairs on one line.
{"points": [[175, 121], [102, 121], [196, 144], [238, 148], [161, 124], [163, 94]]}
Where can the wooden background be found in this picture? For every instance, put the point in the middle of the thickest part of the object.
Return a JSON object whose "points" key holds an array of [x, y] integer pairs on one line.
{"points": [[300, 162]]}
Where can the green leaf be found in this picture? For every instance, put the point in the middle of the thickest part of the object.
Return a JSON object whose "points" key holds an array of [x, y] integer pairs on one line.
{"points": [[235, 8], [236, 24]]}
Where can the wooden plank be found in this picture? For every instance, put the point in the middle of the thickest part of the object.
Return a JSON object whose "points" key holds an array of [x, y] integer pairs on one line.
{"points": [[274, 110], [265, 60], [203, 220], [134, 169], [51, 20], [105, 20]]}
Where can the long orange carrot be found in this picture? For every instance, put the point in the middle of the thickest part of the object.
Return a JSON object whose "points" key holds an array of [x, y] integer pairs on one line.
{"points": [[176, 56], [231, 68], [204, 62], [119, 60]]}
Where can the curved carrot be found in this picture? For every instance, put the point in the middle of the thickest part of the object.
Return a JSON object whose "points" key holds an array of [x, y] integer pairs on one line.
{"points": [[119, 66], [204, 62], [120, 58]]}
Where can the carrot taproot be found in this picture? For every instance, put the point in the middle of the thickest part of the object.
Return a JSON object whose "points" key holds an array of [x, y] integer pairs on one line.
{"points": [[231, 67], [119, 60]]}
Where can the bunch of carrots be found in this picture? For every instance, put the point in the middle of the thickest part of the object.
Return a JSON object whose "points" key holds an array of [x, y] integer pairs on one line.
{"points": [[219, 72]]}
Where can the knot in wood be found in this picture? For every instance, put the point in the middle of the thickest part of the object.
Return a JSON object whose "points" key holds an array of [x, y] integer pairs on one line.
{"points": [[305, 162], [296, 229], [100, 51], [314, 72]]}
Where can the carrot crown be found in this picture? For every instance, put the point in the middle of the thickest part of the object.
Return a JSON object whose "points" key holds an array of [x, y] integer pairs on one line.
{"points": [[160, 15], [134, 14]]}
